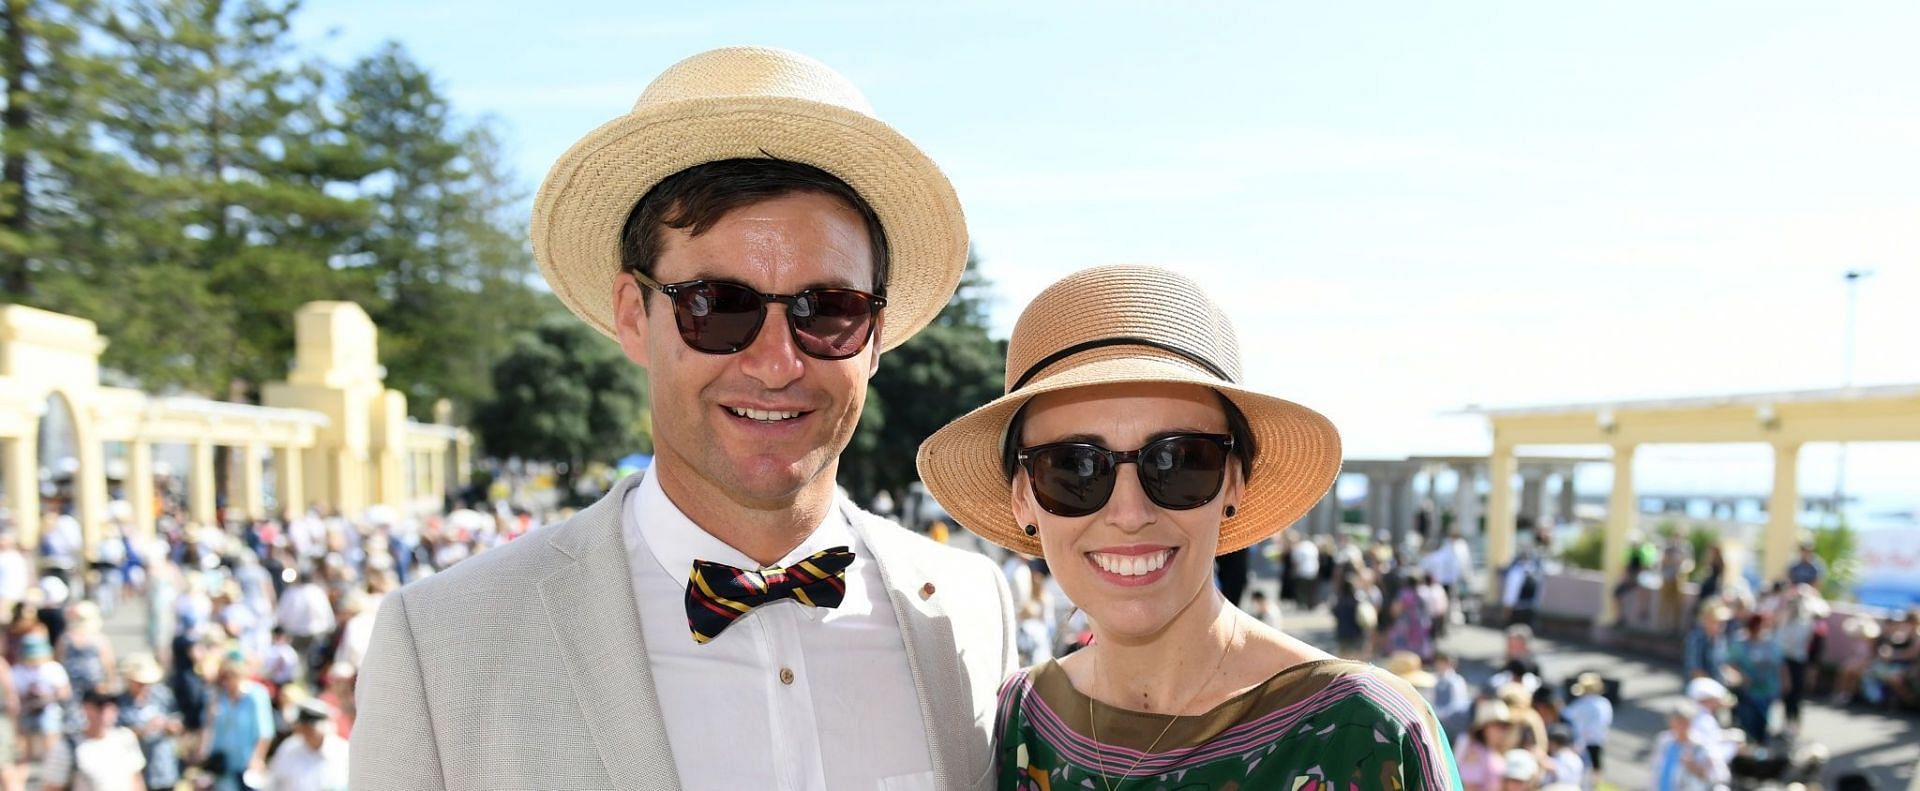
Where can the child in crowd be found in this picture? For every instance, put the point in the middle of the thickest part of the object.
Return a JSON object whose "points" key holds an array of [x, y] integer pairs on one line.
{"points": [[1681, 761], [1564, 762], [1590, 717], [1452, 696]]}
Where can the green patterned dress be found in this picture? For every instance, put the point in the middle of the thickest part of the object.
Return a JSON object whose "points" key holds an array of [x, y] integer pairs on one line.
{"points": [[1328, 725]]}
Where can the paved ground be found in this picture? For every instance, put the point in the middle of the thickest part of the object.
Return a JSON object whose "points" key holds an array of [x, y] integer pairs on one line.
{"points": [[1883, 745]]}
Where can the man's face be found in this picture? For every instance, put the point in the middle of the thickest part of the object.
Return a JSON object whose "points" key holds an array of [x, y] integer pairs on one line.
{"points": [[312, 732], [781, 246], [101, 714]]}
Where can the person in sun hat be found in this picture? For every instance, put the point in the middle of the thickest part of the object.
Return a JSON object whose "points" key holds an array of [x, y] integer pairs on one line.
{"points": [[44, 691], [754, 237], [1482, 750], [1129, 452], [1409, 667], [1591, 717], [313, 758], [147, 708]]}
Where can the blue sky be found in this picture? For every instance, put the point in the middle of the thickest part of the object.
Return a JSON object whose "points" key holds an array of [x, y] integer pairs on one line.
{"points": [[1406, 207]]}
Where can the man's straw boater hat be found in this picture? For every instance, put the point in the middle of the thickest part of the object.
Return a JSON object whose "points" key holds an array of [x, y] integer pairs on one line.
{"points": [[748, 103], [1130, 324]]}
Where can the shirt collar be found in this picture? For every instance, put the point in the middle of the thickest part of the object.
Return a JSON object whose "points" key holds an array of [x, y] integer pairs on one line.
{"points": [[675, 541]]}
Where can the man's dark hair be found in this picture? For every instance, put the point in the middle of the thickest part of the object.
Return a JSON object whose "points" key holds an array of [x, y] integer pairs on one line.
{"points": [[695, 199]]}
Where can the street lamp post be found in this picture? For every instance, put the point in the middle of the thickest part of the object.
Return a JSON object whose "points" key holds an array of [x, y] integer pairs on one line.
{"points": [[1854, 276]]}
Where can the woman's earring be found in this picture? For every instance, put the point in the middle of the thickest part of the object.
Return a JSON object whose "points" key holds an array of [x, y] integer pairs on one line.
{"points": [[1231, 511], [1032, 530]]}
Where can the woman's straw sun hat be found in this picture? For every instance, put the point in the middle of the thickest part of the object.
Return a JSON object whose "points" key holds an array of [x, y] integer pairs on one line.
{"points": [[141, 667], [1118, 324], [1407, 665], [748, 103]]}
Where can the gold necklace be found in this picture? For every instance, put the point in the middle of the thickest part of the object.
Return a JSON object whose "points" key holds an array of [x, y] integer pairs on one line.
{"points": [[1100, 754]]}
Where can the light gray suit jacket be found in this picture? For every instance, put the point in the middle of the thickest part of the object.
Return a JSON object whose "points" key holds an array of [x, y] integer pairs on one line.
{"points": [[524, 666]]}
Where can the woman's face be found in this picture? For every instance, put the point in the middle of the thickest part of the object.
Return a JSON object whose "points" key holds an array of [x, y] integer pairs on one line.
{"points": [[1134, 565], [1496, 734]]}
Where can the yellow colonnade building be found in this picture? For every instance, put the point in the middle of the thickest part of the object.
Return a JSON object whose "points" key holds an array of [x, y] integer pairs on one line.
{"points": [[332, 434]]}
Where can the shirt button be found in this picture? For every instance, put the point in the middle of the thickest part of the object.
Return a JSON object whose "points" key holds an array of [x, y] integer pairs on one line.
{"points": [[786, 676]]}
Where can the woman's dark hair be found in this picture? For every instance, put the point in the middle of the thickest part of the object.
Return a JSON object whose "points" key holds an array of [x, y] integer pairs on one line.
{"points": [[695, 199], [1244, 446]]}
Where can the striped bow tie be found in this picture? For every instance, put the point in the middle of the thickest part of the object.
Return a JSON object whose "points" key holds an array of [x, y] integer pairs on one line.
{"points": [[717, 593]]}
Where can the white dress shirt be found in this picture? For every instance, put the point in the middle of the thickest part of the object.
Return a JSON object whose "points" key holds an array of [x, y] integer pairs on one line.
{"points": [[1592, 719], [1442, 565], [298, 767], [788, 697], [304, 611], [1306, 560]]}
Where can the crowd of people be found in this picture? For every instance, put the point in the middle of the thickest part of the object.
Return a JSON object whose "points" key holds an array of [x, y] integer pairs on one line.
{"points": [[1394, 605], [1744, 655], [253, 637]]}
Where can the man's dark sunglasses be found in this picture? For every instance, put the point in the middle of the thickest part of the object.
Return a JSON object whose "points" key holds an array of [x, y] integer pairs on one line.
{"points": [[1178, 472], [723, 317]]}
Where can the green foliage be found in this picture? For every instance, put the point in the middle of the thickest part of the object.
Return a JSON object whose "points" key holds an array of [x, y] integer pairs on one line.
{"points": [[443, 248], [55, 94], [1588, 550], [1701, 537], [947, 369], [563, 394], [1667, 530], [1838, 548], [180, 172]]}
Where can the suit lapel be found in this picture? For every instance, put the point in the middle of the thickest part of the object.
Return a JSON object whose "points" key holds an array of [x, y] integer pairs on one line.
{"points": [[597, 625], [931, 652]]}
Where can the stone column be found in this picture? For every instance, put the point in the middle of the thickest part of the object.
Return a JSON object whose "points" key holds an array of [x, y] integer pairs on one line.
{"points": [[23, 487], [140, 488], [1326, 514], [1403, 508], [1432, 505], [389, 479], [1783, 513], [1500, 516], [1379, 505], [200, 497], [1568, 497], [90, 480], [1623, 511], [1533, 484], [246, 495], [1466, 499], [462, 461], [437, 476], [289, 480]]}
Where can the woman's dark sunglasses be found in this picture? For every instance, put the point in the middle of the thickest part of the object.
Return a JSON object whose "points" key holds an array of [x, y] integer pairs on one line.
{"points": [[1179, 472], [721, 317]]}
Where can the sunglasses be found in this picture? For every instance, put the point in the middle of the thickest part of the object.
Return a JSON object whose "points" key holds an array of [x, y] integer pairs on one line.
{"points": [[723, 317], [1179, 472]]}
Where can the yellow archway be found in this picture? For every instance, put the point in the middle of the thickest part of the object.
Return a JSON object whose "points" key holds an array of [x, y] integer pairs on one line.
{"points": [[336, 434], [1783, 420]]}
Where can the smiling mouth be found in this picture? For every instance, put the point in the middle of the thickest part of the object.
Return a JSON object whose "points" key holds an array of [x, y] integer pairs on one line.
{"points": [[764, 415], [1132, 565]]}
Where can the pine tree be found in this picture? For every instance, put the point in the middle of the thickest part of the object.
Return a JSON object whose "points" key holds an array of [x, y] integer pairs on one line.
{"points": [[444, 247], [229, 156]]}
